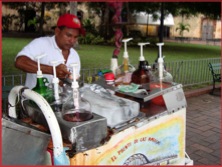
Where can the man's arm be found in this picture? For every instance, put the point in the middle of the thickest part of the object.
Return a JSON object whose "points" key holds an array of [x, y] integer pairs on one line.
{"points": [[26, 64]]}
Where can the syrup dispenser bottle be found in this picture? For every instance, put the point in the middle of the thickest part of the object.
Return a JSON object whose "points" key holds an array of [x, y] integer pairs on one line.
{"points": [[76, 109], [161, 76], [126, 56], [41, 82], [126, 66], [141, 75], [160, 72]]}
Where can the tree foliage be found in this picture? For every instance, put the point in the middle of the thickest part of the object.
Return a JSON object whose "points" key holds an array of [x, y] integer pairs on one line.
{"points": [[212, 9], [182, 27], [38, 7], [184, 9]]}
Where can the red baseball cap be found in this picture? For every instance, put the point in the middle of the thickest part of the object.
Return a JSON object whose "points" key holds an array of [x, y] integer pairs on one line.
{"points": [[70, 21]]}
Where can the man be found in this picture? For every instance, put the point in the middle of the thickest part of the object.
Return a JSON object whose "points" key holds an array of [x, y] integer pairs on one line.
{"points": [[57, 47]]}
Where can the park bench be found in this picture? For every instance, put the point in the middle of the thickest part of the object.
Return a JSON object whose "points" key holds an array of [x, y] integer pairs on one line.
{"points": [[182, 39], [215, 40], [215, 69]]}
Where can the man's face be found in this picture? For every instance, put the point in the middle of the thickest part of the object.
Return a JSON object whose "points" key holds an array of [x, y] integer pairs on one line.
{"points": [[66, 37]]}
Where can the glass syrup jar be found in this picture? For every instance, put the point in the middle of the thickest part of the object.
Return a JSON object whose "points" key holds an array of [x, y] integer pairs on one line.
{"points": [[75, 108]]}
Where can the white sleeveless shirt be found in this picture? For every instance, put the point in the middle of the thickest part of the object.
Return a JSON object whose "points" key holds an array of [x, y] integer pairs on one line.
{"points": [[48, 46]]}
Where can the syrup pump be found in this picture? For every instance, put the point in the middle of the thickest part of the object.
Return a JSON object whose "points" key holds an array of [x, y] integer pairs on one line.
{"points": [[160, 61], [75, 108], [141, 51], [41, 82], [55, 82], [141, 75]]}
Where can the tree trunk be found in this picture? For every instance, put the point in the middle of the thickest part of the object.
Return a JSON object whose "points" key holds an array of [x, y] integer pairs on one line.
{"points": [[161, 23], [128, 17], [41, 32], [105, 24], [147, 26], [73, 8], [62, 9]]}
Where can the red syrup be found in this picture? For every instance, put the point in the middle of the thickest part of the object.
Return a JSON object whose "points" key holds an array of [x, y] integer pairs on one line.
{"points": [[78, 116]]}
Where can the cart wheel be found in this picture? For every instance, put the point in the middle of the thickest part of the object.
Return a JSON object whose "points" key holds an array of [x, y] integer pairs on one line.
{"points": [[137, 159]]}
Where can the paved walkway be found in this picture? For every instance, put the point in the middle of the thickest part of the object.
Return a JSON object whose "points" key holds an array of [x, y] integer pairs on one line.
{"points": [[203, 129]]}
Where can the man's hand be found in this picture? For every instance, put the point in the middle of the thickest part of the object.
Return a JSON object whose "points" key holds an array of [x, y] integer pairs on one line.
{"points": [[62, 71]]}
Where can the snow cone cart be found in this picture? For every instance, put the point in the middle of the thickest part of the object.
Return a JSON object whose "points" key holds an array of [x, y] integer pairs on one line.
{"points": [[102, 123]]}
